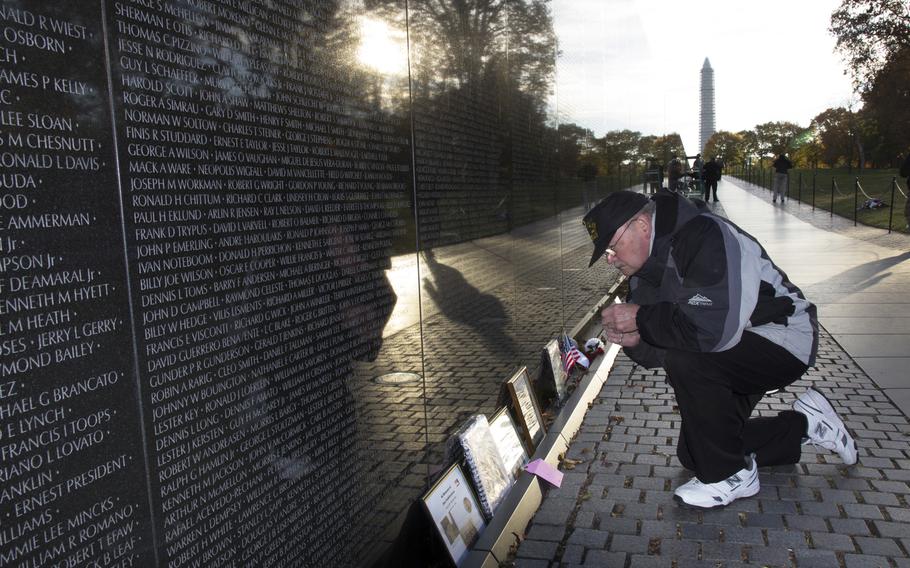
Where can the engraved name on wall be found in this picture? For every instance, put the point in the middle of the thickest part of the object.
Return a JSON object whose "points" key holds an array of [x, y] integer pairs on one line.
{"points": [[72, 484], [262, 186]]}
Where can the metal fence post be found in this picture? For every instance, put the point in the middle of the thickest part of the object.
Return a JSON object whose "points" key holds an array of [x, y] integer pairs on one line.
{"points": [[833, 188], [891, 210], [799, 192], [855, 197], [814, 173]]}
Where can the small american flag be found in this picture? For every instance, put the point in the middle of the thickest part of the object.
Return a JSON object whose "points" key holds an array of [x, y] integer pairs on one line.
{"points": [[571, 356]]}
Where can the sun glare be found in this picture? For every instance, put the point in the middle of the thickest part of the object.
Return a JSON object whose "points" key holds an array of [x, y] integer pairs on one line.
{"points": [[382, 48]]}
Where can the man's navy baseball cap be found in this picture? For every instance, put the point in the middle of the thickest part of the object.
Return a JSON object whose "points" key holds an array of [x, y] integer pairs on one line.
{"points": [[610, 214]]}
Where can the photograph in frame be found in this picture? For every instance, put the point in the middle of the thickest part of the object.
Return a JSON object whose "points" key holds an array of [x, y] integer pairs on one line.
{"points": [[455, 512], [508, 441], [560, 378], [530, 419]]}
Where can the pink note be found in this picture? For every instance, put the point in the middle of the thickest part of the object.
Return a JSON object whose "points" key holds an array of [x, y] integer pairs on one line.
{"points": [[545, 471]]}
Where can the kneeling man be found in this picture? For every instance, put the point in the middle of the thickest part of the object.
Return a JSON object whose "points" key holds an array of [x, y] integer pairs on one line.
{"points": [[708, 305]]}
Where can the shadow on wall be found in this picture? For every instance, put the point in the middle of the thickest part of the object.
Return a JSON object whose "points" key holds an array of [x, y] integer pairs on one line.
{"points": [[460, 302]]}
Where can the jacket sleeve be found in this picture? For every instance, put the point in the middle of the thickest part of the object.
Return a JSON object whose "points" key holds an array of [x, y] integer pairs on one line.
{"points": [[711, 307], [647, 356]]}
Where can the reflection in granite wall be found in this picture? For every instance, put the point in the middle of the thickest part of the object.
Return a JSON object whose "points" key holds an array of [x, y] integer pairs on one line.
{"points": [[220, 222]]}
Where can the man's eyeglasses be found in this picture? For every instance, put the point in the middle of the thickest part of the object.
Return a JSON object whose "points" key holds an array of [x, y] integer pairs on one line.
{"points": [[611, 248]]}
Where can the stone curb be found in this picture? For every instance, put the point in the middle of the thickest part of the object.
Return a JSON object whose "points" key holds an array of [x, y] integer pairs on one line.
{"points": [[524, 499]]}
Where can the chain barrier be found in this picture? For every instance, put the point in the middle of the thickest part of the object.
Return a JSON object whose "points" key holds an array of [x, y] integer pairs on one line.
{"points": [[861, 190], [837, 189]]}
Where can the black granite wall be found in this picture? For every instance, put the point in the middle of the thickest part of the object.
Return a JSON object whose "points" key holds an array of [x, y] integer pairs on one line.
{"points": [[220, 221]]}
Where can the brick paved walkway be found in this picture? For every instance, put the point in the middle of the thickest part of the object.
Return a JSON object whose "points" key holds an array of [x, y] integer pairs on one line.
{"points": [[615, 507]]}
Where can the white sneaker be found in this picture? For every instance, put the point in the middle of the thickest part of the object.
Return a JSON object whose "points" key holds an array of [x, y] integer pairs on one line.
{"points": [[825, 430], [743, 483]]}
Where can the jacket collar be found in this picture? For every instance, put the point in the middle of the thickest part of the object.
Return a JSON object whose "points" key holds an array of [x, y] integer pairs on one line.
{"points": [[673, 211]]}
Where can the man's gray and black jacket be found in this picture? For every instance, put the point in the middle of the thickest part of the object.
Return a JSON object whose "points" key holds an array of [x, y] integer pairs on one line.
{"points": [[706, 282]]}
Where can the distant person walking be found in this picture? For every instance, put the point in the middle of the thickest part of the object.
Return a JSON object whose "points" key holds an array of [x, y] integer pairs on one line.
{"points": [[781, 179], [654, 177], [698, 168], [905, 172], [674, 174], [712, 171]]}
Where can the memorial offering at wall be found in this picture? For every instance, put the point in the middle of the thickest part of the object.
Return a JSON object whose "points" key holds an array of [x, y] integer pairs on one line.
{"points": [[455, 512], [556, 371], [475, 446], [508, 441], [524, 403]]}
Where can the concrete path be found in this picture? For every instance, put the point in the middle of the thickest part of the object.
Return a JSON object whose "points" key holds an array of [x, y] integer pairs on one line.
{"points": [[615, 506]]}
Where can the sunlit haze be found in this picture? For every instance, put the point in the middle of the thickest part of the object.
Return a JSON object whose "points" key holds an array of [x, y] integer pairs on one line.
{"points": [[382, 48]]}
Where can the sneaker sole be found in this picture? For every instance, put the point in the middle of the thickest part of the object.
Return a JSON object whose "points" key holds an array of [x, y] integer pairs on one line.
{"points": [[838, 423], [679, 500]]}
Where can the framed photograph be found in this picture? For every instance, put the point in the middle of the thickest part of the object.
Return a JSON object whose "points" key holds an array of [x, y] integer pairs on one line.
{"points": [[508, 442], [553, 358], [455, 513], [530, 420], [482, 462]]}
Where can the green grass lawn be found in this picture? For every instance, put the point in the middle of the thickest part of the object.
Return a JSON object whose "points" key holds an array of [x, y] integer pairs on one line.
{"points": [[875, 183]]}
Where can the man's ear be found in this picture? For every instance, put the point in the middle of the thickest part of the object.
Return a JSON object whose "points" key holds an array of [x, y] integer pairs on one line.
{"points": [[645, 222]]}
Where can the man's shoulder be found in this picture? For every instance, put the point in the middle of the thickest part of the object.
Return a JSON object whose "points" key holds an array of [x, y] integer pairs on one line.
{"points": [[703, 223]]}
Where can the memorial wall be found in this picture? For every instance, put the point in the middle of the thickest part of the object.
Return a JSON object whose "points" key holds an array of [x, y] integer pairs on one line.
{"points": [[222, 223]]}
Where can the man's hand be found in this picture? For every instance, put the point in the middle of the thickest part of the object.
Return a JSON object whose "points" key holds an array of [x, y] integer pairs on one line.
{"points": [[619, 324]]}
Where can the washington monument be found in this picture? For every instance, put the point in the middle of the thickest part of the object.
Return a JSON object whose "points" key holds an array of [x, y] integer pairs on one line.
{"points": [[706, 125]]}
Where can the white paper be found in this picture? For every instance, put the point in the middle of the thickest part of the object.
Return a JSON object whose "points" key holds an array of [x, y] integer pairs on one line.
{"points": [[508, 442]]}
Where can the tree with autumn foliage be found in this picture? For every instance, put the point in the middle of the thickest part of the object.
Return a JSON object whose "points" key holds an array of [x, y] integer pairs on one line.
{"points": [[870, 34], [874, 38], [728, 146], [887, 110]]}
